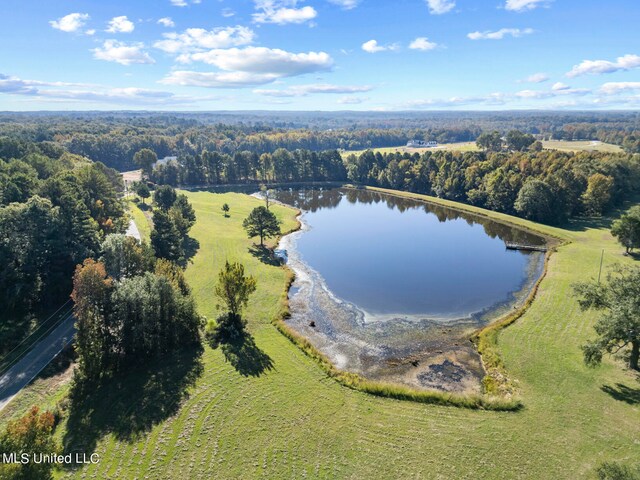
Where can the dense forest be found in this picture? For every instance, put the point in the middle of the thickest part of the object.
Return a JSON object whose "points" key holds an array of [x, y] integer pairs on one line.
{"points": [[547, 186], [60, 191], [113, 138], [55, 209]]}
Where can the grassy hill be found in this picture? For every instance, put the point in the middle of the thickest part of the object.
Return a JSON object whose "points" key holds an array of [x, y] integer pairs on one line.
{"points": [[291, 421]]}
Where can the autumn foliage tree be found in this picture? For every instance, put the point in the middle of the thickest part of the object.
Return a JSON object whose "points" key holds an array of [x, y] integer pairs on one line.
{"points": [[32, 434]]}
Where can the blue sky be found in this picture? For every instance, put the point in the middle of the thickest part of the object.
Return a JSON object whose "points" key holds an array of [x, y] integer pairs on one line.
{"points": [[319, 54]]}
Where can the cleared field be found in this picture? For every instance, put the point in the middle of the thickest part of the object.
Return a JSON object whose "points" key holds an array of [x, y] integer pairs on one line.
{"points": [[292, 421], [581, 146], [458, 146], [565, 146]]}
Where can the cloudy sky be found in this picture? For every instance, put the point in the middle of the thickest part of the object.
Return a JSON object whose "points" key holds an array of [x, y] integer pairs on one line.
{"points": [[319, 54]]}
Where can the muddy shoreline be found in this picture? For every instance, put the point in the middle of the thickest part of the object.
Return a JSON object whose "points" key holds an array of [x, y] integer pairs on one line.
{"points": [[423, 353]]}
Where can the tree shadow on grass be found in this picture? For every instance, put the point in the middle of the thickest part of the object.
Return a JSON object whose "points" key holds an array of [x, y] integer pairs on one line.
{"points": [[246, 357], [265, 255], [582, 224], [623, 393], [145, 207], [130, 403], [190, 247]]}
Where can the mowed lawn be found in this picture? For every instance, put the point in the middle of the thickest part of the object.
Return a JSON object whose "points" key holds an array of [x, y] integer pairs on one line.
{"points": [[581, 146], [565, 146], [294, 422]]}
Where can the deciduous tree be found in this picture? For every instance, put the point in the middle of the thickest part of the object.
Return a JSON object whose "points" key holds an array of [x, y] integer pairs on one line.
{"points": [[619, 327], [627, 229]]}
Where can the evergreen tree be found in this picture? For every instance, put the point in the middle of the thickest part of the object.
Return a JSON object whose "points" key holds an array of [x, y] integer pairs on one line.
{"points": [[263, 223]]}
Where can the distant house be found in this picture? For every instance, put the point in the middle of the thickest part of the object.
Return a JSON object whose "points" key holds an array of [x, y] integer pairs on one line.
{"points": [[421, 144], [165, 160]]}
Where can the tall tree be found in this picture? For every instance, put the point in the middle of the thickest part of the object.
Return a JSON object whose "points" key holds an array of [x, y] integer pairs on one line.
{"points": [[518, 141], [596, 198], [627, 229], [165, 196], [31, 434], [233, 289], [124, 256], [145, 158], [165, 237], [535, 202], [94, 338], [142, 190], [490, 141], [183, 215], [619, 326], [263, 223]]}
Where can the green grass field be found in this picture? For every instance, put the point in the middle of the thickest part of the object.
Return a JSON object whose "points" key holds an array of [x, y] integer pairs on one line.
{"points": [[565, 146], [581, 146], [458, 146], [293, 421]]}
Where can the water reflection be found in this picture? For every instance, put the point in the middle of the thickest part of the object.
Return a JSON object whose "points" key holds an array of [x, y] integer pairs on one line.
{"points": [[391, 287]]}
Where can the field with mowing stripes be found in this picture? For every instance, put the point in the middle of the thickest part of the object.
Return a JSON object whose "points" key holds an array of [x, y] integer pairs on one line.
{"points": [[294, 422]]}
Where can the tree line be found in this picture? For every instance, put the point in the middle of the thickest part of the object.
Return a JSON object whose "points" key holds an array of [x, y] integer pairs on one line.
{"points": [[54, 212], [545, 186], [114, 138]]}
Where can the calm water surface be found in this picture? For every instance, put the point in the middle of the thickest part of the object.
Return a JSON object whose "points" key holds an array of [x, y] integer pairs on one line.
{"points": [[392, 288], [392, 256]]}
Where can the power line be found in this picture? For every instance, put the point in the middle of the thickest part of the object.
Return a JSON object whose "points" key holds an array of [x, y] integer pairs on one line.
{"points": [[35, 331], [20, 357]]}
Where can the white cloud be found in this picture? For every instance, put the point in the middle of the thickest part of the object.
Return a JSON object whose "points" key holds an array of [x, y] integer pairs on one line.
{"points": [[593, 67], [350, 100], [613, 88], [304, 90], [122, 53], [422, 43], [70, 23], [198, 39], [282, 12], [438, 7], [90, 32], [227, 12], [59, 91], [346, 4], [120, 25], [523, 5], [183, 3], [499, 34], [372, 46], [536, 78], [166, 22], [559, 89], [501, 98], [217, 79], [262, 60]]}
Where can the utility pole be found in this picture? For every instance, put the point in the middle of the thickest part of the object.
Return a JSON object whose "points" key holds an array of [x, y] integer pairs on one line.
{"points": [[600, 271]]}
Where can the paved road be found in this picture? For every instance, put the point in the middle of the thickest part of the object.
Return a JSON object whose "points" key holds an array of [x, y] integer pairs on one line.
{"points": [[25, 370], [19, 375], [132, 230]]}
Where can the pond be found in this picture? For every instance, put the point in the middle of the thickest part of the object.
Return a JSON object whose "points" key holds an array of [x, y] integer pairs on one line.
{"points": [[392, 288]]}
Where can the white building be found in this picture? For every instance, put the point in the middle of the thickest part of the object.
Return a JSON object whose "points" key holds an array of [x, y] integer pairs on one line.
{"points": [[422, 144]]}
